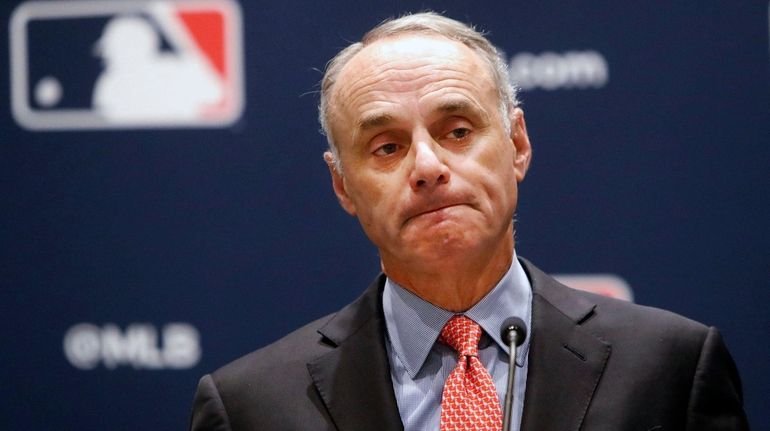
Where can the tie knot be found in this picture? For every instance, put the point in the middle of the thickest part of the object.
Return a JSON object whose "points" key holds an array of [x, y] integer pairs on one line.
{"points": [[462, 334]]}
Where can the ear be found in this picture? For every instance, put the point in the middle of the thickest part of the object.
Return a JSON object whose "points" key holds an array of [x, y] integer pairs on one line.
{"points": [[338, 183], [521, 143]]}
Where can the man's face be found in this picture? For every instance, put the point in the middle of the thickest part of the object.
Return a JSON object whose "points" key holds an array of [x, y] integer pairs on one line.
{"points": [[428, 167]]}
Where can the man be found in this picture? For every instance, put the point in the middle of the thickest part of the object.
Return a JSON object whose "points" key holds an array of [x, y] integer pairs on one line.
{"points": [[427, 147]]}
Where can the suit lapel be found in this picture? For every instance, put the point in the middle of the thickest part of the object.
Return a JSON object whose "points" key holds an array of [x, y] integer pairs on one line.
{"points": [[565, 361], [354, 378]]}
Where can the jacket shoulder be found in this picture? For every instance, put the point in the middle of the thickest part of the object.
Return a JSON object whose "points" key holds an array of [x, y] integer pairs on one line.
{"points": [[610, 317], [292, 350], [623, 318]]}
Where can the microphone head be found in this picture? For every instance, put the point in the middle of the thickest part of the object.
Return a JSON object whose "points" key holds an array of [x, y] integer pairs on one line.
{"points": [[513, 331]]}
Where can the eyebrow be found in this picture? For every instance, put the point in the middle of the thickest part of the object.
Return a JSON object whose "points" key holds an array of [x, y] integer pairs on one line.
{"points": [[453, 106], [375, 120]]}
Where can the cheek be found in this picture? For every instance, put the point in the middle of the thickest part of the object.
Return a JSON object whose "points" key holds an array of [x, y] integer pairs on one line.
{"points": [[495, 168], [371, 197], [496, 152], [498, 182]]}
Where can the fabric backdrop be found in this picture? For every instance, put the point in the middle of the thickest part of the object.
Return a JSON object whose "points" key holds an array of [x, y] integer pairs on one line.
{"points": [[165, 211]]}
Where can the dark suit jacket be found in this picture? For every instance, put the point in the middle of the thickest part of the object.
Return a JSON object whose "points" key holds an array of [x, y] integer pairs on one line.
{"points": [[595, 364]]}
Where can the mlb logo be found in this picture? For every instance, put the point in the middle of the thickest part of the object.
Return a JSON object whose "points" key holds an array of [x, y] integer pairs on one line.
{"points": [[88, 64]]}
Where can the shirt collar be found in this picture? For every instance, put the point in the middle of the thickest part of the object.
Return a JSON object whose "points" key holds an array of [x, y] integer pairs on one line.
{"points": [[414, 324]]}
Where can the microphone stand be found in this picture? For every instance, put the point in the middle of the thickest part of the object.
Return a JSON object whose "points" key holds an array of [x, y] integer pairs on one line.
{"points": [[509, 388], [513, 332]]}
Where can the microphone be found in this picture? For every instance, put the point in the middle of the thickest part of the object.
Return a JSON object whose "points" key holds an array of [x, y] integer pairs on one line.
{"points": [[513, 332]]}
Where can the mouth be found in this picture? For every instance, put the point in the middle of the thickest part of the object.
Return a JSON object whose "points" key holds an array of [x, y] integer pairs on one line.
{"points": [[430, 211]]}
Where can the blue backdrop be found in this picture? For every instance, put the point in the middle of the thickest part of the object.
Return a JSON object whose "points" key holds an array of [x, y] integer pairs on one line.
{"points": [[134, 257]]}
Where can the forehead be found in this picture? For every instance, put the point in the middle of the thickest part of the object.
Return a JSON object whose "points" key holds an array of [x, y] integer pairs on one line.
{"points": [[411, 62], [411, 46]]}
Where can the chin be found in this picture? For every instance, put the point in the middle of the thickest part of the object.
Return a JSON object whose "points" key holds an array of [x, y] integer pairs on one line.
{"points": [[443, 245]]}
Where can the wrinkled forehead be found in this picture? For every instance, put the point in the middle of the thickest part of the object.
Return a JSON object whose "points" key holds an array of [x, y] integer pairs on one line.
{"points": [[402, 58], [412, 46]]}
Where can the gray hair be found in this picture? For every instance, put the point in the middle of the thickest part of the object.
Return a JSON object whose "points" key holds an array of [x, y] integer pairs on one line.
{"points": [[425, 23]]}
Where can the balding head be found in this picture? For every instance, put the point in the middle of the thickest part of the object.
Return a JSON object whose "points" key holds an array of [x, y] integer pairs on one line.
{"points": [[428, 23]]}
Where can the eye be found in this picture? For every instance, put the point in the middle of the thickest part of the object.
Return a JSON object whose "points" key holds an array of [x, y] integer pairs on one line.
{"points": [[386, 149], [458, 133]]}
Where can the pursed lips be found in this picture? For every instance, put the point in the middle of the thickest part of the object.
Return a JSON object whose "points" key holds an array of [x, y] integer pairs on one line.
{"points": [[430, 210]]}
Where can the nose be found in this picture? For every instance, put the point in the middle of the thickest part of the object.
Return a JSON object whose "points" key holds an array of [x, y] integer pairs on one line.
{"points": [[429, 169]]}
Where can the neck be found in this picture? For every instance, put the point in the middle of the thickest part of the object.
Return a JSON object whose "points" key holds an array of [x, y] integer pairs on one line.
{"points": [[454, 284]]}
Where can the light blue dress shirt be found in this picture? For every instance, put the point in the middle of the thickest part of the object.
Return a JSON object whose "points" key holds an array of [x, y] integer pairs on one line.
{"points": [[419, 364]]}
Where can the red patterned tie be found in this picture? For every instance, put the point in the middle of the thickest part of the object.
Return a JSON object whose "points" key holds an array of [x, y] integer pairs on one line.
{"points": [[469, 401]]}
